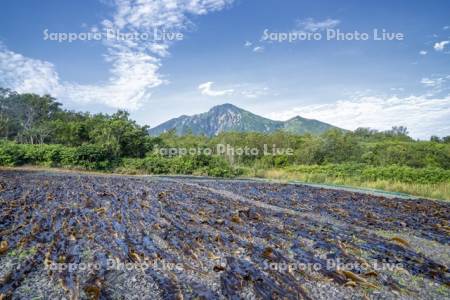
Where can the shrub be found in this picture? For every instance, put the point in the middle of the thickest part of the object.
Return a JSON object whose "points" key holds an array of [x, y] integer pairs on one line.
{"points": [[219, 167], [156, 164], [47, 155], [11, 154], [94, 157], [186, 165]]}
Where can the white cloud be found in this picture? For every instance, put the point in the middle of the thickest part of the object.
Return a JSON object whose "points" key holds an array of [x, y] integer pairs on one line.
{"points": [[436, 83], [424, 116], [428, 82], [254, 93], [24, 74], [206, 89], [305, 26], [258, 49], [310, 24], [423, 52], [397, 89], [254, 47], [135, 65], [251, 90], [439, 46], [239, 91], [446, 27]]}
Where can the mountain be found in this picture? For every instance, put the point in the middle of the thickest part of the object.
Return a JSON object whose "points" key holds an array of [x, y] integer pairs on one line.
{"points": [[227, 117], [301, 125]]}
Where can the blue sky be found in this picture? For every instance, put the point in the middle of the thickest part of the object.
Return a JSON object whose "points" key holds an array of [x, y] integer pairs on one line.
{"points": [[224, 58]]}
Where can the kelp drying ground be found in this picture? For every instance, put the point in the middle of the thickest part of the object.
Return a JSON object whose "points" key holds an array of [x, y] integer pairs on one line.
{"points": [[81, 236]]}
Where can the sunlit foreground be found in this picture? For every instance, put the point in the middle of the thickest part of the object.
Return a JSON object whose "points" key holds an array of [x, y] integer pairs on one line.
{"points": [[116, 237]]}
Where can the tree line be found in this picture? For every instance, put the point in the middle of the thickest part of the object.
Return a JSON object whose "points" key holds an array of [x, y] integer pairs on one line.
{"points": [[29, 120]]}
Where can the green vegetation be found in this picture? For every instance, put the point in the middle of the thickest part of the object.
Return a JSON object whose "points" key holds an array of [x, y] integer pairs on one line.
{"points": [[432, 182], [370, 173], [35, 130], [97, 157]]}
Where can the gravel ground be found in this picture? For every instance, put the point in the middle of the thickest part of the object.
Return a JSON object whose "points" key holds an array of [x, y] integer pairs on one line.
{"points": [[83, 236]]}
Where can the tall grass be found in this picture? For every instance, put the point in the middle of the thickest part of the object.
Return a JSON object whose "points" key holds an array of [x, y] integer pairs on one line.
{"points": [[439, 190]]}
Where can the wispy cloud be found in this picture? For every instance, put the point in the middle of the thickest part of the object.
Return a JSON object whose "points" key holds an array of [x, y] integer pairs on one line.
{"points": [[423, 52], [422, 115], [135, 65], [252, 91], [428, 82], [305, 26], [312, 25], [258, 49], [255, 93], [254, 47], [436, 83], [206, 89]]}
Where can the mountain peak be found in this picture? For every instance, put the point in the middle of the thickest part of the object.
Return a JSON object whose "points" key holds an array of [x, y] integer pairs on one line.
{"points": [[296, 118], [228, 117], [225, 106]]}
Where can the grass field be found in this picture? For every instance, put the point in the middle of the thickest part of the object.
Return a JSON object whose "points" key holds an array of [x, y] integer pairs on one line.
{"points": [[440, 190]]}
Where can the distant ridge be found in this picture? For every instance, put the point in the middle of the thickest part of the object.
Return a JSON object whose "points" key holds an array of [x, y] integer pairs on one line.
{"points": [[227, 117]]}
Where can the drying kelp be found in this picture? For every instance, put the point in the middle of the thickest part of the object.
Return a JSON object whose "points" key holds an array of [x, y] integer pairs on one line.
{"points": [[112, 237]]}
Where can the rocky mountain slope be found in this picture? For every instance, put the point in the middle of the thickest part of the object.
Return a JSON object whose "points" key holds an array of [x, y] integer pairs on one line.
{"points": [[227, 117]]}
